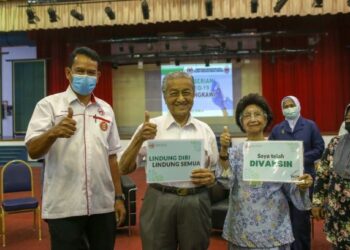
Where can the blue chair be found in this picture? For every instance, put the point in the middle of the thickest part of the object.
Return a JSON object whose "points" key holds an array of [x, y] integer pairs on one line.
{"points": [[17, 176]]}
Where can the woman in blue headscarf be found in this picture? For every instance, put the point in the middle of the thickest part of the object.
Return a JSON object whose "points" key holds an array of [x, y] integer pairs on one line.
{"points": [[331, 198]]}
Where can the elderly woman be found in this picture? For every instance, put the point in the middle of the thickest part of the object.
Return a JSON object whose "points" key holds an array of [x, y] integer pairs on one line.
{"points": [[258, 216], [332, 189]]}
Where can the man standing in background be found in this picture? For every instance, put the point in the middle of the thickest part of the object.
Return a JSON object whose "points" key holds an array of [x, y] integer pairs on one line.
{"points": [[297, 128]]}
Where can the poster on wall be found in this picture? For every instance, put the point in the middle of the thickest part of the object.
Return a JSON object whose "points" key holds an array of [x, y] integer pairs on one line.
{"points": [[213, 88]]}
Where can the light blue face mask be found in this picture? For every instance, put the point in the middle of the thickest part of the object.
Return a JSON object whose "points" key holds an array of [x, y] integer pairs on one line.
{"points": [[290, 113], [83, 84]]}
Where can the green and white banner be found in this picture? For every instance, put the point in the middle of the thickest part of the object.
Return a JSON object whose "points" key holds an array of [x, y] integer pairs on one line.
{"points": [[173, 160], [273, 161]]}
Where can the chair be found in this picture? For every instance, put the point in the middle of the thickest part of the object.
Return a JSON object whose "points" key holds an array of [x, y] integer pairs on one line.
{"points": [[129, 189], [17, 176]]}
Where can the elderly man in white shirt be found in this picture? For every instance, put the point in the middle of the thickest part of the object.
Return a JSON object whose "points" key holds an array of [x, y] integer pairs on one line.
{"points": [[77, 135], [175, 215]]}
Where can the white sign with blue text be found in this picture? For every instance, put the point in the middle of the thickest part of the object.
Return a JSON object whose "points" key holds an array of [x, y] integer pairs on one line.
{"points": [[173, 160]]}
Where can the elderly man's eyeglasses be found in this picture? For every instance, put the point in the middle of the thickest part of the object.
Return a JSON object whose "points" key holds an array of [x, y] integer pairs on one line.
{"points": [[251, 116]]}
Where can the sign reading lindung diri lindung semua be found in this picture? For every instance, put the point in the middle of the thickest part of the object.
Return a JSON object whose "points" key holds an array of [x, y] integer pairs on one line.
{"points": [[173, 160], [272, 161]]}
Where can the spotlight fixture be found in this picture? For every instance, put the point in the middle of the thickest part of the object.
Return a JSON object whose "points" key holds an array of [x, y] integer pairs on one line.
{"points": [[206, 62], [228, 60], [52, 15], [317, 3], [110, 13], [115, 65], [79, 16], [149, 46], [239, 45], [145, 9], [209, 7], [131, 49], [140, 64], [279, 5], [32, 17], [254, 6], [177, 62], [158, 63]]}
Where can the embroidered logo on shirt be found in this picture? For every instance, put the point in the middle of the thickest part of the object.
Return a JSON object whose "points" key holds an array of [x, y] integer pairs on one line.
{"points": [[103, 126]]}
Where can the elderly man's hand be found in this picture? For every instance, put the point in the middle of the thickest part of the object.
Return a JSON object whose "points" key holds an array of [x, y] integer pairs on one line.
{"points": [[148, 130], [202, 176], [120, 211], [305, 181]]}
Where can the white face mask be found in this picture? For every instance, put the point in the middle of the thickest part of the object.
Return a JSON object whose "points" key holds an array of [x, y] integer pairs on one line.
{"points": [[290, 113]]}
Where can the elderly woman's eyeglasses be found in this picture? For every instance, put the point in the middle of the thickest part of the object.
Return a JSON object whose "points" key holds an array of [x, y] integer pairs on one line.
{"points": [[251, 116]]}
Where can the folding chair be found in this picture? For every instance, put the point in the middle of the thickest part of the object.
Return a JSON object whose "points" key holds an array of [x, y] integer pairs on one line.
{"points": [[17, 176]]}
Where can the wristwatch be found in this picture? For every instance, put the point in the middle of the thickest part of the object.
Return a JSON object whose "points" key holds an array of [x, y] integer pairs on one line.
{"points": [[120, 197]]}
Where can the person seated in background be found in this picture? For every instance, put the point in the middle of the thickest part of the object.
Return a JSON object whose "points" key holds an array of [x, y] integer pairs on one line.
{"points": [[295, 127], [175, 215], [257, 217], [331, 200]]}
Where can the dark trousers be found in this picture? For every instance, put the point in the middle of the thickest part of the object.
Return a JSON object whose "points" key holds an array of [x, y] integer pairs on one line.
{"points": [[301, 226], [94, 232], [172, 222]]}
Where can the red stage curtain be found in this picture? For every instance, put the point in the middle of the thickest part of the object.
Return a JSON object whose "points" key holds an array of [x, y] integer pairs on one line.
{"points": [[319, 81], [53, 45]]}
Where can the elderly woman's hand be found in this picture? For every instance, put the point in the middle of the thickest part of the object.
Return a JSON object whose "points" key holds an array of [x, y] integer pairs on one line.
{"points": [[225, 138], [202, 176], [317, 213], [305, 181]]}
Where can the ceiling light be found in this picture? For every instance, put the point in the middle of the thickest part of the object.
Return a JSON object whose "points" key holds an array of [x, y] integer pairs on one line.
{"points": [[53, 15], [110, 13], [32, 17], [131, 49], [279, 5], [145, 9], [317, 3], [79, 16], [209, 7], [254, 6]]}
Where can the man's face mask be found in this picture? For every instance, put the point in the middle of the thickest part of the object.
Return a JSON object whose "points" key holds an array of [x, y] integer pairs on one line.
{"points": [[83, 84], [290, 113]]}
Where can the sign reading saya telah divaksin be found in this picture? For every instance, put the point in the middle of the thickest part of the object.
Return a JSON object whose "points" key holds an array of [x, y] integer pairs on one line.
{"points": [[173, 160], [273, 161]]}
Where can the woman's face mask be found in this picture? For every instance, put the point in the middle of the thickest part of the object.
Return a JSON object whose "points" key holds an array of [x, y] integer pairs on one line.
{"points": [[83, 84], [290, 113]]}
